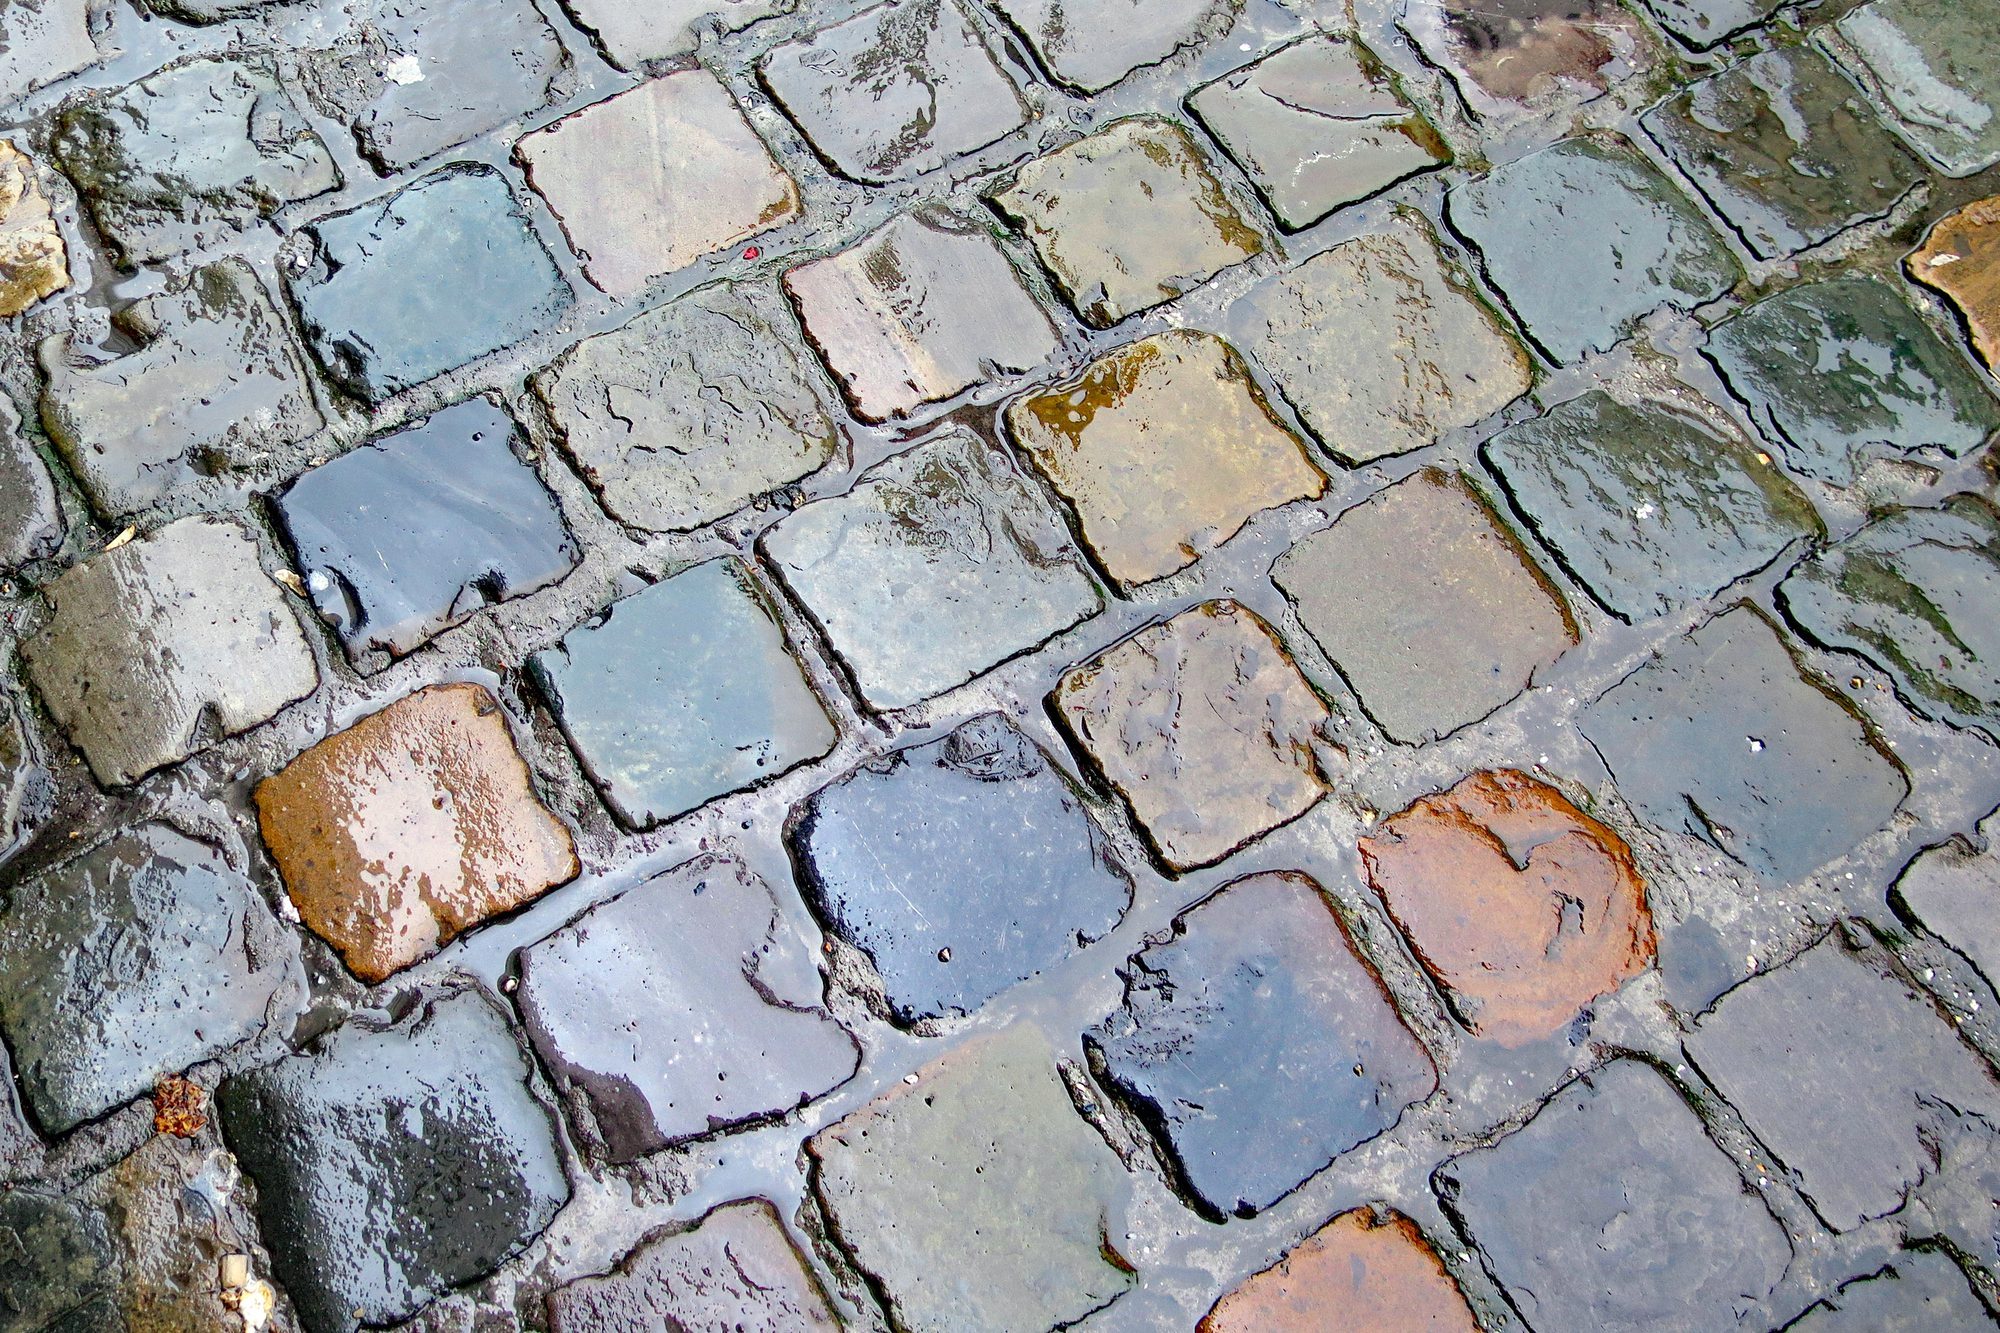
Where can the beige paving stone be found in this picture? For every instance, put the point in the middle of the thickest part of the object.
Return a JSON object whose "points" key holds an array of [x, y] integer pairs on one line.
{"points": [[633, 32], [34, 263], [1961, 259]]}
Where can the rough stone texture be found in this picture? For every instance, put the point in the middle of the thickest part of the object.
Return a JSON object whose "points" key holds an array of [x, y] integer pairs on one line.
{"points": [[149, 640], [1704, 23], [212, 387], [1935, 65], [632, 32], [959, 867], [937, 566], [30, 523], [1953, 890], [1920, 1291], [1091, 44], [41, 42], [410, 827], [984, 1148], [1723, 738], [24, 786], [653, 179], [897, 90], [681, 693], [34, 262], [1181, 410], [1257, 1045], [673, 1012], [374, 314], [1379, 348], [920, 310], [1961, 259], [1427, 604], [1204, 726], [1128, 218], [60, 1273], [1584, 240], [1358, 1271], [1509, 55]]}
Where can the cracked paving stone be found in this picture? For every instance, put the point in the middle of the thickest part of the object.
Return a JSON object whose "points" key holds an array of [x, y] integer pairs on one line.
{"points": [[151, 643], [1430, 608], [190, 157], [411, 827], [1509, 55], [1318, 125], [1379, 348], [1610, 1209], [633, 32], [34, 262], [1089, 45], [42, 42], [897, 90], [1358, 1271], [1257, 1045], [1181, 410], [652, 179], [394, 1164], [1920, 1290], [921, 309], [60, 1273], [31, 525], [683, 692], [1961, 260], [374, 314], [143, 957], [940, 564], [1722, 737], [1585, 240], [1935, 66], [1953, 890], [1128, 218], [1650, 506], [212, 388], [960, 867], [674, 1011], [1704, 23], [1838, 371], [734, 1271], [1847, 1074], [1521, 907], [410, 534], [984, 1148]]}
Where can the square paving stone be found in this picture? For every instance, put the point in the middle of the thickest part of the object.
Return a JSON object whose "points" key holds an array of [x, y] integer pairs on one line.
{"points": [[1316, 126], [959, 867], [34, 262], [895, 91], [981, 1154], [1722, 737], [410, 534], [940, 564], [633, 32], [440, 273], [1128, 218], [138, 959], [1961, 260], [190, 156], [1585, 240], [1204, 726], [395, 1164], [652, 179], [1180, 410], [41, 43], [146, 641], [1935, 65], [1835, 372], [1954, 890], [681, 693], [1705, 23], [1920, 1291], [1650, 506], [1845, 1073], [30, 523], [1257, 1045], [1531, 55], [1428, 605], [412, 826], [1091, 44], [1358, 1271], [1612, 1210], [212, 385], [918, 311], [1379, 347], [694, 409]]}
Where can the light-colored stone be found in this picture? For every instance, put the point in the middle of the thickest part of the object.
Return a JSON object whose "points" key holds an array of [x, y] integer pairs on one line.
{"points": [[633, 32], [34, 263], [1092, 44], [42, 41]]}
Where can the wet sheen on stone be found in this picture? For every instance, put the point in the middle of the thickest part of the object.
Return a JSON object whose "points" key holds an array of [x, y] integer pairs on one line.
{"points": [[1507, 55], [1920, 1291], [60, 1273], [1704, 23], [1953, 891], [1358, 1271], [30, 523], [1935, 65], [42, 43], [633, 32], [34, 262], [1961, 259], [1091, 44]]}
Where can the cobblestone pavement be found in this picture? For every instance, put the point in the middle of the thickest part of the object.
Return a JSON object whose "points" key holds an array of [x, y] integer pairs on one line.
{"points": [[998, 664]]}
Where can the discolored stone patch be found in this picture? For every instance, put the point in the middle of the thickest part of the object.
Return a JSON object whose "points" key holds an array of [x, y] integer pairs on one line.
{"points": [[1257, 1045], [1953, 889], [1705, 23], [208, 11], [1181, 410], [1091, 44], [1961, 259], [1506, 55], [411, 827], [34, 262], [30, 523], [1919, 1291], [42, 43], [959, 867], [1935, 66], [1357, 1271], [61, 1271], [633, 32]]}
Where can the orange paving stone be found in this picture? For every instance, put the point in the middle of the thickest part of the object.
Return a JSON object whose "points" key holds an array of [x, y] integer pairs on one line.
{"points": [[1356, 1272], [1961, 258]]}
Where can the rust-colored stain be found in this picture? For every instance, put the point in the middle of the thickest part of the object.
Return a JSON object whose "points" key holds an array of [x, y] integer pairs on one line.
{"points": [[1961, 258], [1355, 1272], [180, 1107]]}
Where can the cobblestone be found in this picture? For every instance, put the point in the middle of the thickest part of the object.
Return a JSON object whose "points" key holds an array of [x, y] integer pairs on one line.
{"points": [[30, 523], [42, 43], [1924, 1290], [1950, 888], [1366, 1271], [1092, 44], [1530, 55], [634, 32], [1936, 70], [1958, 259], [34, 262]]}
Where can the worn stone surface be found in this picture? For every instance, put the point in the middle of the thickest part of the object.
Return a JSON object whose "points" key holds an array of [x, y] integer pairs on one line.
{"points": [[1506, 55], [1091, 44], [681, 693], [1650, 506], [147, 641], [653, 179], [1257, 1045], [959, 867], [34, 262], [61, 1272], [1954, 889], [1961, 259], [1919, 1291], [1204, 726], [920, 310], [1128, 218], [669, 1013], [1181, 410], [1935, 65], [985, 1147], [632, 32], [1585, 240], [24, 788], [1704, 23], [1357, 1271], [42, 42], [937, 566], [411, 826], [30, 523]]}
